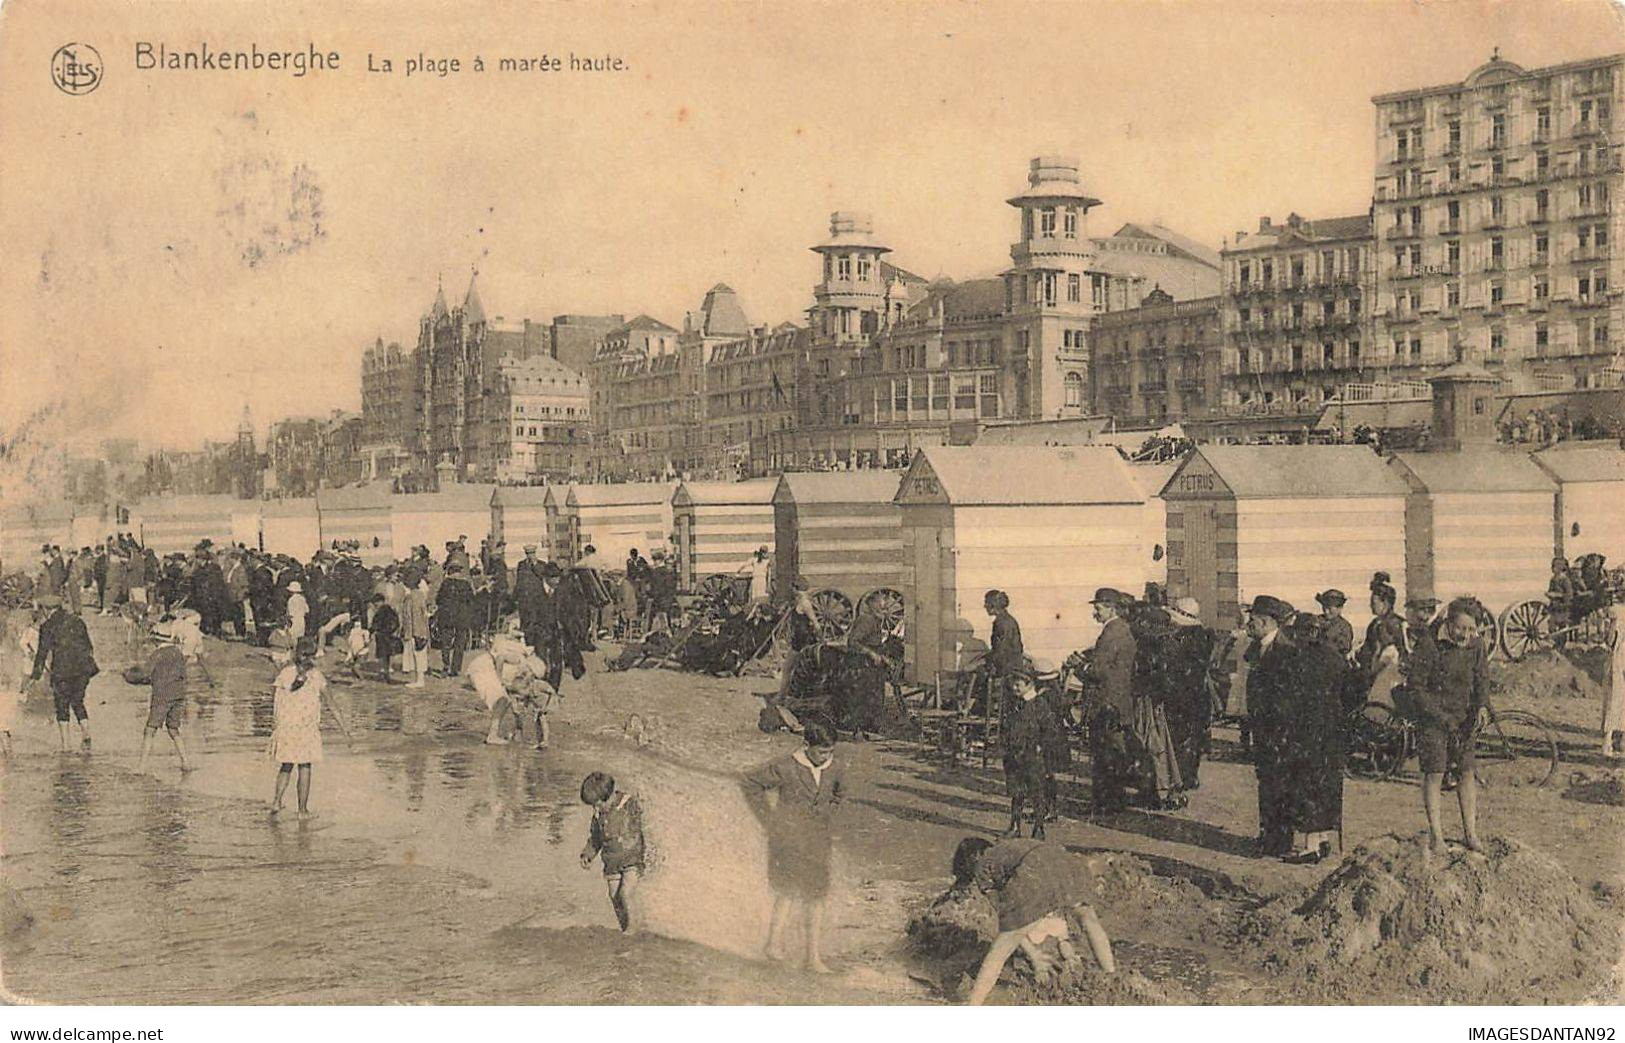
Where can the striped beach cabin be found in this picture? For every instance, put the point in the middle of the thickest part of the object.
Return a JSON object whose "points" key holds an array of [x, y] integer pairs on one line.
{"points": [[720, 525], [171, 524], [1287, 520], [561, 541], [1151, 478], [1477, 522], [291, 526], [359, 513], [1590, 499], [519, 517], [839, 530], [434, 519], [614, 518], [1046, 525]]}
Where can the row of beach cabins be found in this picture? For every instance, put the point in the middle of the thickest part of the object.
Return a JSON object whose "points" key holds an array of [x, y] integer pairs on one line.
{"points": [[1045, 524]]}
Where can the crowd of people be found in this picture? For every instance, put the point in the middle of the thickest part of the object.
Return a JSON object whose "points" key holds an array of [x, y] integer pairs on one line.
{"points": [[1157, 679]]}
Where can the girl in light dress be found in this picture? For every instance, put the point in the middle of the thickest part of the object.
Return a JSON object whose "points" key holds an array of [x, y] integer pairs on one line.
{"points": [[296, 738], [18, 640]]}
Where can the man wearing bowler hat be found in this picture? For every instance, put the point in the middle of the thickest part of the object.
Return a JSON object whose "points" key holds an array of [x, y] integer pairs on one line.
{"points": [[1112, 670], [1268, 684]]}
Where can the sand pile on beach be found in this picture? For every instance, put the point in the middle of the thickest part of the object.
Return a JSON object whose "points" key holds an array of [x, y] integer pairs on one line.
{"points": [[1396, 924]]}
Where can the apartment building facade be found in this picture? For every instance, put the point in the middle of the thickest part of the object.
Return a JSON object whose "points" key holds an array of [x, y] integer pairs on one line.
{"points": [[1497, 210], [1158, 362]]}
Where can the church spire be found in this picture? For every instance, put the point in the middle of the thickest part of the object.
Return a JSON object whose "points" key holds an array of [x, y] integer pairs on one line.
{"points": [[439, 310], [472, 310]]}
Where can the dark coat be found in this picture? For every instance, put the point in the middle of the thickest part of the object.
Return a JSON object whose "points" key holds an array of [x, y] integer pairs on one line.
{"points": [[64, 641], [1005, 654], [386, 632], [1035, 744], [1269, 684], [1312, 730], [454, 605], [1113, 667]]}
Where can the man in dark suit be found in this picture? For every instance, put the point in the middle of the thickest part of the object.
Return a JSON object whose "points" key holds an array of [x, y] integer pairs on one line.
{"points": [[1269, 682], [1112, 670], [454, 618], [64, 643]]}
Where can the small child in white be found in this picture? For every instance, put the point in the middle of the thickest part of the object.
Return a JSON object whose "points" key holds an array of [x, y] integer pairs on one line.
{"points": [[617, 838]]}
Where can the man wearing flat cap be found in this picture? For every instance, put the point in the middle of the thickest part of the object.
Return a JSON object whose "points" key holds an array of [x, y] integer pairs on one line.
{"points": [[1268, 683], [1112, 670], [1339, 633]]}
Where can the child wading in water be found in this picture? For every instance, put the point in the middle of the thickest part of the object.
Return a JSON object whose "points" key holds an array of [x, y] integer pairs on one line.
{"points": [[801, 791], [296, 738], [617, 838]]}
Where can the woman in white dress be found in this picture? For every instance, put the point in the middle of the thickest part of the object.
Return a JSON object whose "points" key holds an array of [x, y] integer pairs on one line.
{"points": [[296, 738]]}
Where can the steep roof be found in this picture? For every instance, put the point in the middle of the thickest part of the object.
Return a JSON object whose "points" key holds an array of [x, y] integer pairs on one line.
{"points": [[1071, 431], [838, 487], [1473, 471], [1182, 278], [615, 494], [354, 498], [460, 497], [1603, 463], [1018, 476], [1292, 472], [721, 315], [520, 495], [439, 308], [757, 490], [1183, 243], [473, 310]]}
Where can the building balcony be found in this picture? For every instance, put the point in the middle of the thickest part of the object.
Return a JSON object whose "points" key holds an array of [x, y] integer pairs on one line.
{"points": [[1589, 253], [1596, 299], [1404, 231]]}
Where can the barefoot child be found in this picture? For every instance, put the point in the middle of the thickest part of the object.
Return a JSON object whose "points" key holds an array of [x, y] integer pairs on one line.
{"points": [[168, 676], [801, 791], [617, 838], [296, 738], [500, 674], [1042, 894]]}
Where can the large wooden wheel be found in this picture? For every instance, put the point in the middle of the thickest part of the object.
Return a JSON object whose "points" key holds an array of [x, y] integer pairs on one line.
{"points": [[887, 605], [723, 589], [833, 610], [1525, 628]]}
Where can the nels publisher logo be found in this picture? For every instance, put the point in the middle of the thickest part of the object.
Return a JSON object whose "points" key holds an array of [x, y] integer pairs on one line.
{"points": [[76, 68]]}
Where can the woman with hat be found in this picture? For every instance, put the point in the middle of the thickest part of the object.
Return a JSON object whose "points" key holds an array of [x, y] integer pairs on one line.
{"points": [[298, 610], [1337, 631], [1376, 661], [1187, 702]]}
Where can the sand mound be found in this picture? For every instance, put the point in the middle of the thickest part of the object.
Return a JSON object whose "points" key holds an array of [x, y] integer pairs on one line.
{"points": [[1394, 925], [1543, 675]]}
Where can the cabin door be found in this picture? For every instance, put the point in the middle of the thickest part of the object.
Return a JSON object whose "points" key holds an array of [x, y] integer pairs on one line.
{"points": [[1202, 560]]}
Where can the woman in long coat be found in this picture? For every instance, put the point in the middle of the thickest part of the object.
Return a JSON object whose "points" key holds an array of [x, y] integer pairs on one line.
{"points": [[1314, 734]]}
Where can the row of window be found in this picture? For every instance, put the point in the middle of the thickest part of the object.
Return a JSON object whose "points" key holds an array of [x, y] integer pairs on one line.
{"points": [[1588, 115], [1049, 222], [1590, 197], [1296, 270], [1045, 288], [937, 397], [546, 411], [1589, 286], [844, 266]]}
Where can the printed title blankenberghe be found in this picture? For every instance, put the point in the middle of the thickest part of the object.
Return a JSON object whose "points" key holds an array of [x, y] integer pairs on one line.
{"points": [[205, 58]]}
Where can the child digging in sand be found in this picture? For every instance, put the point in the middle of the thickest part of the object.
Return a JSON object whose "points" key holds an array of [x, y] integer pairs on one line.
{"points": [[617, 838]]}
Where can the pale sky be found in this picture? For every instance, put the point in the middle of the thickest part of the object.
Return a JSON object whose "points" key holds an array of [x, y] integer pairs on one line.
{"points": [[163, 262]]}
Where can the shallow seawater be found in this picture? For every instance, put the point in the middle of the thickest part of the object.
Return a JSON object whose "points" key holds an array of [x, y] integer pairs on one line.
{"points": [[437, 870]]}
